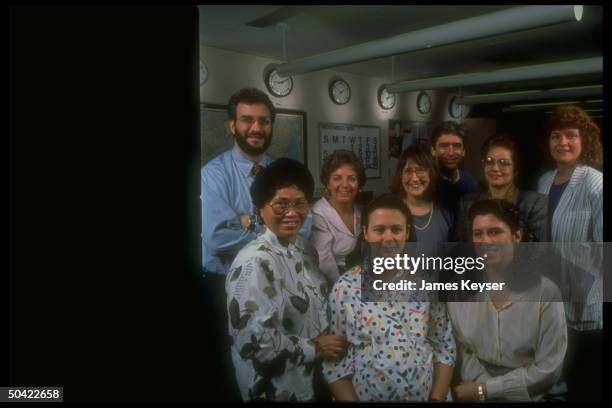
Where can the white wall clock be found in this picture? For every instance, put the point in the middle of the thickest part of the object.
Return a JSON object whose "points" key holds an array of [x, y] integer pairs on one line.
{"points": [[340, 91], [455, 109], [424, 102], [386, 100], [277, 85]]}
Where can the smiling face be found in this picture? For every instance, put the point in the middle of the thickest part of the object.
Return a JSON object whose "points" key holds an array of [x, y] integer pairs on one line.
{"points": [[285, 213], [565, 146], [387, 228], [449, 151], [499, 167], [415, 179], [252, 128], [343, 185], [494, 238]]}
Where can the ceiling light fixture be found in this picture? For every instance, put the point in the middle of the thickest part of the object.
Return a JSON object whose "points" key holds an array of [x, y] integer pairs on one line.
{"points": [[487, 25]]}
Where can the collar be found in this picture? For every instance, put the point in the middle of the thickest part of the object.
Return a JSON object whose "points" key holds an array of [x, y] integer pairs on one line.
{"points": [[245, 165], [514, 297], [336, 220], [453, 180], [282, 245], [577, 176]]}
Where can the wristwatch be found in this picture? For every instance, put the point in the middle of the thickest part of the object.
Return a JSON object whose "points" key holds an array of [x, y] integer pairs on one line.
{"points": [[481, 394], [252, 222]]}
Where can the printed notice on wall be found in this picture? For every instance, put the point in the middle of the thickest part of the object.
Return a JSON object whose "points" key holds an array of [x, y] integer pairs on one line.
{"points": [[364, 141]]}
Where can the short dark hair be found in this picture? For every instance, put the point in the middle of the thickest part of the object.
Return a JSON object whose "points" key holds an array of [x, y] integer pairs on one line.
{"points": [[421, 155], [338, 159], [249, 96], [281, 173], [391, 202], [505, 140], [505, 211], [451, 127], [522, 276]]}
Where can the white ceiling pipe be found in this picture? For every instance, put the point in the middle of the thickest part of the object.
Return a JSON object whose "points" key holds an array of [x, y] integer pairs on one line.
{"points": [[501, 22], [536, 106], [550, 70], [531, 95]]}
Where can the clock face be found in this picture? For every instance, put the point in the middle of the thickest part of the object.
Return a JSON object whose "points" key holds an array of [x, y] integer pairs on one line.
{"points": [[455, 109], [424, 102], [386, 100], [203, 73], [278, 85], [340, 92]]}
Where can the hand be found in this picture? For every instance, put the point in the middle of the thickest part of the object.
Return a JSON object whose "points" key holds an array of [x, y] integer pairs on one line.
{"points": [[467, 392], [244, 221], [330, 347]]}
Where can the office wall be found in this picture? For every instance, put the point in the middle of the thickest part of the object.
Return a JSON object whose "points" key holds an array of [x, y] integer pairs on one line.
{"points": [[230, 71]]}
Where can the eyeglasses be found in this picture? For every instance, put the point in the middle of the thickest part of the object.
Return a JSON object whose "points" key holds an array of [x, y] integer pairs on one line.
{"points": [[282, 207], [419, 171], [249, 120], [503, 162]]}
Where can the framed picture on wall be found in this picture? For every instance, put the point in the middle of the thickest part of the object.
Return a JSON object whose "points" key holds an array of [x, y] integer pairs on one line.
{"points": [[364, 141], [288, 137]]}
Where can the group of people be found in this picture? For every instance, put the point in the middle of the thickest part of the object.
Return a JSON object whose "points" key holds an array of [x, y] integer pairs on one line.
{"points": [[285, 276]]}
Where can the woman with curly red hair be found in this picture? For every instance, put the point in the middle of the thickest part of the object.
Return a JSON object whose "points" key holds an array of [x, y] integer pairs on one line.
{"points": [[575, 191]]}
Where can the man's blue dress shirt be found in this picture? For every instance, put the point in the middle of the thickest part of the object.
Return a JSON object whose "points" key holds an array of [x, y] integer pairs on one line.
{"points": [[226, 182]]}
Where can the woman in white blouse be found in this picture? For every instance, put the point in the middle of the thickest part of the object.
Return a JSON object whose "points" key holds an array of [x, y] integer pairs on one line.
{"points": [[276, 297], [511, 343], [336, 218]]}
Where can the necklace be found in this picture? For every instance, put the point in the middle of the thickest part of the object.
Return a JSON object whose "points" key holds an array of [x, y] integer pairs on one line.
{"points": [[428, 221]]}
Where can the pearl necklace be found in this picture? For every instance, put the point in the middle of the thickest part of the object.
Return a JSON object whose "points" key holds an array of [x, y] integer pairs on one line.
{"points": [[428, 221]]}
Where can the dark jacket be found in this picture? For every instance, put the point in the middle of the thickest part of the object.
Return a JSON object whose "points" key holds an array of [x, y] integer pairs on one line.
{"points": [[533, 208]]}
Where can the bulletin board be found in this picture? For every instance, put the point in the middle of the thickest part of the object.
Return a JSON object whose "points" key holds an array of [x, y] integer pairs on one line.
{"points": [[364, 141]]}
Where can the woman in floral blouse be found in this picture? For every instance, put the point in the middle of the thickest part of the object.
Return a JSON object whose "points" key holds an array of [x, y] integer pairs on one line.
{"points": [[398, 351], [276, 295]]}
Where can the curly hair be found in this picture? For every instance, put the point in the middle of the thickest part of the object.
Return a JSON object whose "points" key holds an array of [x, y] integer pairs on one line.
{"points": [[338, 159], [421, 155], [569, 116]]}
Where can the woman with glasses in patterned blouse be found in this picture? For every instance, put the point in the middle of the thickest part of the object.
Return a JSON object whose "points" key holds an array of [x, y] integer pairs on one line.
{"points": [[276, 296]]}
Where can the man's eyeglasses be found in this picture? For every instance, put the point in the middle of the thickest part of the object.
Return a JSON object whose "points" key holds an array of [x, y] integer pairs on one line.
{"points": [[282, 207], [249, 120], [503, 162], [419, 171]]}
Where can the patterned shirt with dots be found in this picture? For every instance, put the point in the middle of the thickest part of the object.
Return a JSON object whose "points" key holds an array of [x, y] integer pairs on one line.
{"points": [[393, 346]]}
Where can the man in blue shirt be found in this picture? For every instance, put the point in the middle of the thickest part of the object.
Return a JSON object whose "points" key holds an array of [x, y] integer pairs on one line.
{"points": [[448, 147], [228, 216]]}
